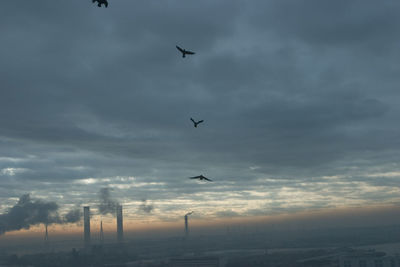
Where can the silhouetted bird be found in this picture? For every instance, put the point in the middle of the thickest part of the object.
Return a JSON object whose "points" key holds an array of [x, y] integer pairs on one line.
{"points": [[196, 123], [201, 177], [185, 52], [100, 2]]}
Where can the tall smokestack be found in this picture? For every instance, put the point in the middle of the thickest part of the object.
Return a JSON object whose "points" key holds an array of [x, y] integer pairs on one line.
{"points": [[186, 227], [86, 226], [120, 227], [187, 224], [46, 236], [101, 233]]}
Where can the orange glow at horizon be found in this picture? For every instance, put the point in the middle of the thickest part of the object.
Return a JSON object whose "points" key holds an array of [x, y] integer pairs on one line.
{"points": [[345, 216]]}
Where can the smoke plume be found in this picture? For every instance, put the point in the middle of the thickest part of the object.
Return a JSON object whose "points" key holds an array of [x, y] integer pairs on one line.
{"points": [[28, 212], [190, 213], [107, 204], [144, 207], [73, 216]]}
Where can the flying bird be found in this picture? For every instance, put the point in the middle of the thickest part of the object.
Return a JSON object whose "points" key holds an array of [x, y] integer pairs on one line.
{"points": [[196, 123], [184, 51], [100, 2], [201, 177]]}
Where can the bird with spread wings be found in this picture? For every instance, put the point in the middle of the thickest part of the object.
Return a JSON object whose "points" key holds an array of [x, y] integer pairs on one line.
{"points": [[184, 51], [100, 2], [200, 177], [195, 123]]}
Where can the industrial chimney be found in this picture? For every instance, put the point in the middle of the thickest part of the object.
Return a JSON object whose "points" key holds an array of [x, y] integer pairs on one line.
{"points": [[46, 236], [187, 224], [86, 226], [120, 227], [101, 233]]}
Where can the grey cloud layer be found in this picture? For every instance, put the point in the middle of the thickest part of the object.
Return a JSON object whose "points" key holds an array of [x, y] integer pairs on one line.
{"points": [[287, 89]]}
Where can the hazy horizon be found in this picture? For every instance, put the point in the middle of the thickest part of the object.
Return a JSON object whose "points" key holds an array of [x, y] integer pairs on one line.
{"points": [[299, 101], [316, 219]]}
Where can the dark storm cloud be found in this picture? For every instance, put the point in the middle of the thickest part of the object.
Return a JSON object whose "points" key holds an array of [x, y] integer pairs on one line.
{"points": [[331, 23], [290, 91]]}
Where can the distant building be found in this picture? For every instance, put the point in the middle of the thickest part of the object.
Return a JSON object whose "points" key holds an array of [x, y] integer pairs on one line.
{"points": [[195, 262], [368, 258]]}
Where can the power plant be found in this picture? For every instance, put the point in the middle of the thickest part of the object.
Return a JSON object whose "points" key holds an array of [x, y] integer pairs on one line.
{"points": [[187, 224], [86, 226], [120, 226]]}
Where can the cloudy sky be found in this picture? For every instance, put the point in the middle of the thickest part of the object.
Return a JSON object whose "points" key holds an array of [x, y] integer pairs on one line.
{"points": [[300, 102]]}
